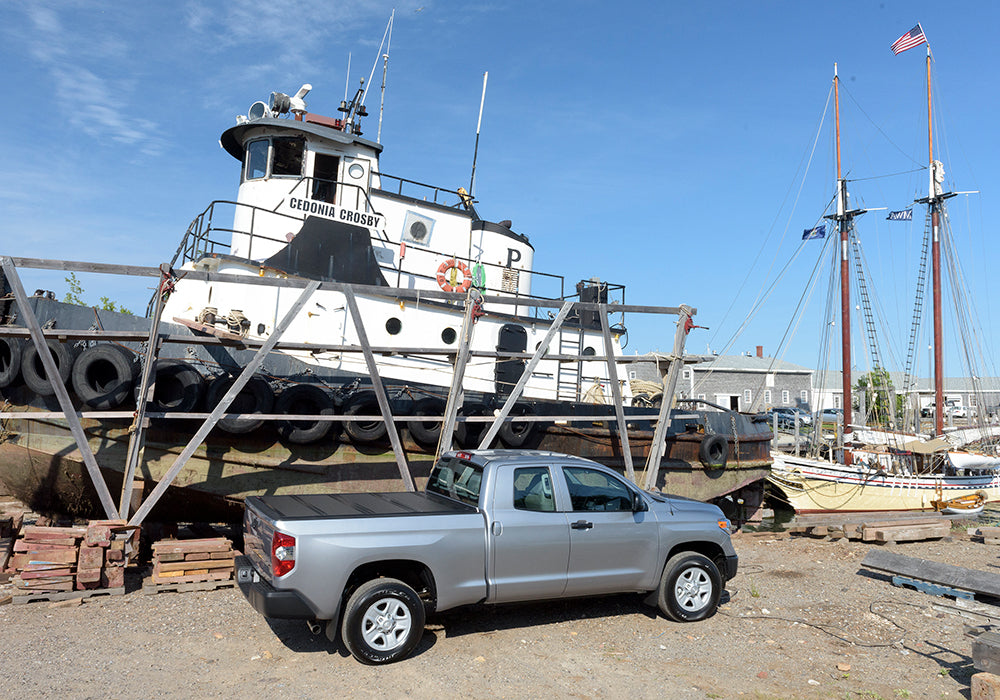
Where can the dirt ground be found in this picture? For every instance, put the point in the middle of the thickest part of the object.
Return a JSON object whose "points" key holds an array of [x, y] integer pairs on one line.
{"points": [[801, 620]]}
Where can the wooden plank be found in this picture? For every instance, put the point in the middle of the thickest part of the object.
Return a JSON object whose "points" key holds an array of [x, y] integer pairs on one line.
{"points": [[88, 575], [907, 533], [68, 556], [193, 578], [986, 652], [188, 546], [150, 588], [924, 570], [186, 565], [38, 532], [66, 594], [911, 521], [90, 558], [25, 546]]}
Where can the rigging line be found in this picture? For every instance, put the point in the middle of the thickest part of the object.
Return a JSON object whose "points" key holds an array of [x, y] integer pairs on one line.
{"points": [[758, 303], [882, 177], [808, 165], [877, 127]]}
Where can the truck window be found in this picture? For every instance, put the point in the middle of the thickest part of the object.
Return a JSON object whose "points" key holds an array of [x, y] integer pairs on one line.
{"points": [[456, 479], [533, 489], [590, 490]]}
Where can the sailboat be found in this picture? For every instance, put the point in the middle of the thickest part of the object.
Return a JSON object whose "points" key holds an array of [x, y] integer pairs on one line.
{"points": [[879, 467]]}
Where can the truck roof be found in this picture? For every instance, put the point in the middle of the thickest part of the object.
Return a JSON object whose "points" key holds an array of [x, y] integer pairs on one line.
{"points": [[484, 457]]}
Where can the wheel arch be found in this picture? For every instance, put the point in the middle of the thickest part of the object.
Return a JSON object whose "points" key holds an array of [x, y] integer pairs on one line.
{"points": [[415, 574]]}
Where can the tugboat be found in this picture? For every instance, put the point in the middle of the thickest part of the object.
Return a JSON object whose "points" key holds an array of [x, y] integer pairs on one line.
{"points": [[423, 265]]}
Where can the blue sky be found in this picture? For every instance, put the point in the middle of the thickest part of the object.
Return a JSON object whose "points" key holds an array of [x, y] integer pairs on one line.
{"points": [[660, 145]]}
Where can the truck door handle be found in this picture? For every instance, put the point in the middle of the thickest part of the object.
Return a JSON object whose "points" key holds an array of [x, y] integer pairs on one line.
{"points": [[582, 525]]}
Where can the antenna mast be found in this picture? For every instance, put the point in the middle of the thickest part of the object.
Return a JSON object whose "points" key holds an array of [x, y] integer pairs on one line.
{"points": [[475, 153], [385, 70]]}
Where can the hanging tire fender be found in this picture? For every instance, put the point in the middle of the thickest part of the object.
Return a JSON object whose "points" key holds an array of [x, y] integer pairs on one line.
{"points": [[516, 433], [102, 376], [179, 387], [304, 399], [11, 352], [369, 431], [714, 451], [256, 397], [33, 371], [426, 432]]}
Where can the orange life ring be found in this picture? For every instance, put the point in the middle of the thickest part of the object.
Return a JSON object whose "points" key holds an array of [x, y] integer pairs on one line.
{"points": [[447, 276]]}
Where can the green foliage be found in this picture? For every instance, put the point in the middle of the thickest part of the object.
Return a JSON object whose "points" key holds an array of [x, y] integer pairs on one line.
{"points": [[75, 296], [879, 393]]}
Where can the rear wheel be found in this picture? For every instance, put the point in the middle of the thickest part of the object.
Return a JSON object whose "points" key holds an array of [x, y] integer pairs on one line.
{"points": [[690, 587], [383, 621]]}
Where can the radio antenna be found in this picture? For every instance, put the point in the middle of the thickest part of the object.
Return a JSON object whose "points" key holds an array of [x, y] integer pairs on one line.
{"points": [[475, 153]]}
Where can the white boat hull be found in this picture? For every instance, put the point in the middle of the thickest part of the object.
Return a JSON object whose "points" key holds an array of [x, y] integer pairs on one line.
{"points": [[817, 486]]}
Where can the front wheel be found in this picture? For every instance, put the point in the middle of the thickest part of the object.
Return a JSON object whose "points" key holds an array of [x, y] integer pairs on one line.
{"points": [[689, 588], [383, 622]]}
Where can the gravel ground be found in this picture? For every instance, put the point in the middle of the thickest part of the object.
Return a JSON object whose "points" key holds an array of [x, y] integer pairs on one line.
{"points": [[802, 620]]}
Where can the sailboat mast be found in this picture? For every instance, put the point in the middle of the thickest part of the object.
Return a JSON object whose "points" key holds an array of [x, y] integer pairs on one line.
{"points": [[843, 218], [934, 202]]}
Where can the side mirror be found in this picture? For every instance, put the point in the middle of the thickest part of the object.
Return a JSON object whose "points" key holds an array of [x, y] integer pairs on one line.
{"points": [[638, 504]]}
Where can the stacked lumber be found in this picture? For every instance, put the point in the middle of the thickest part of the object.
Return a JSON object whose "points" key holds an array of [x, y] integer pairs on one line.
{"points": [[191, 561], [45, 558], [58, 559], [878, 531]]}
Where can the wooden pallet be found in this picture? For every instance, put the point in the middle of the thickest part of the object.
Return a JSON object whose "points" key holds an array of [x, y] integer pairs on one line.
{"points": [[880, 531], [56, 596], [150, 588]]}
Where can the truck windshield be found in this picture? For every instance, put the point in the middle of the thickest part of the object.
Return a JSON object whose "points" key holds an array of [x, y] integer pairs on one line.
{"points": [[455, 478]]}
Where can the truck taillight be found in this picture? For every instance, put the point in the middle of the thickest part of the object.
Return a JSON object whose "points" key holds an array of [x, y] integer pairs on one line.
{"points": [[282, 553]]}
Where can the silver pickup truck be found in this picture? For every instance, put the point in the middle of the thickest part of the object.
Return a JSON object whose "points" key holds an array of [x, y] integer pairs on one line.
{"points": [[492, 526]]}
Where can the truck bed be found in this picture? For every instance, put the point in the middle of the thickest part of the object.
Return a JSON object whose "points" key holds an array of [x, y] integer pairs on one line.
{"points": [[354, 505]]}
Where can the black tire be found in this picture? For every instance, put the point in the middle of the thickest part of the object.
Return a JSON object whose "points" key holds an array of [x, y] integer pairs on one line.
{"points": [[515, 433], [256, 397], [690, 587], [468, 434], [179, 388], [103, 375], [713, 451], [304, 399], [11, 352], [368, 431], [34, 372], [426, 433], [383, 621]]}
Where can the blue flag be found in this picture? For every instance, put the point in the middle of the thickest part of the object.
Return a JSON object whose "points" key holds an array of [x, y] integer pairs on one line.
{"points": [[811, 233], [905, 215]]}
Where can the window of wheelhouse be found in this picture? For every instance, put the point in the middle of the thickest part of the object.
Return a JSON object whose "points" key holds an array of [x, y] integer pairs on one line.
{"points": [[256, 166], [287, 158], [324, 184]]}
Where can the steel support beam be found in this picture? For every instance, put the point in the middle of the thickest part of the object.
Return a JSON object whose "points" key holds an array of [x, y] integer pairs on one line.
{"points": [[137, 438], [515, 393], [616, 392], [216, 414], [379, 389], [52, 372], [656, 447], [456, 396]]}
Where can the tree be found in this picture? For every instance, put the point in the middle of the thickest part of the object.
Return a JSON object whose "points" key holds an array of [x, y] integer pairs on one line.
{"points": [[883, 406], [75, 296]]}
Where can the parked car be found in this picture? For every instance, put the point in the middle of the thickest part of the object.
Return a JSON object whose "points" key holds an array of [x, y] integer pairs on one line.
{"points": [[831, 415], [787, 414]]}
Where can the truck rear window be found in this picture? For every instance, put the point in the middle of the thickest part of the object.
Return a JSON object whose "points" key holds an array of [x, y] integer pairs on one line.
{"points": [[458, 479]]}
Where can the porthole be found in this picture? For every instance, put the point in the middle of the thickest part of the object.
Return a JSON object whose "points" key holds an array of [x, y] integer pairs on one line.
{"points": [[589, 351], [538, 345], [393, 326], [356, 171], [448, 335]]}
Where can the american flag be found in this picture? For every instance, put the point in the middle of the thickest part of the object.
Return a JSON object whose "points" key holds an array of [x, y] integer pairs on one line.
{"points": [[914, 37]]}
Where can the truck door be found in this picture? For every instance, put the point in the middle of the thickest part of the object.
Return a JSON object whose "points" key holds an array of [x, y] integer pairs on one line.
{"points": [[611, 548], [529, 538]]}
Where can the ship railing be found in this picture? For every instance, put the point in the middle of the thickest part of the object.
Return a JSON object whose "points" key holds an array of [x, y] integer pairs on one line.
{"points": [[448, 198]]}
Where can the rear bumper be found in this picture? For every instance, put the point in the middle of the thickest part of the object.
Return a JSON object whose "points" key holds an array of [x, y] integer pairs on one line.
{"points": [[268, 600]]}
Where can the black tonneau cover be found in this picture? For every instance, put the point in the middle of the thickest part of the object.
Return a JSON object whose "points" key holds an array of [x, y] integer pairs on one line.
{"points": [[354, 505]]}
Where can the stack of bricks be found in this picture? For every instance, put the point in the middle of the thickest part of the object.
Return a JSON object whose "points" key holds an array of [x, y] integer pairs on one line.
{"points": [[102, 559], [192, 561], [59, 559]]}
